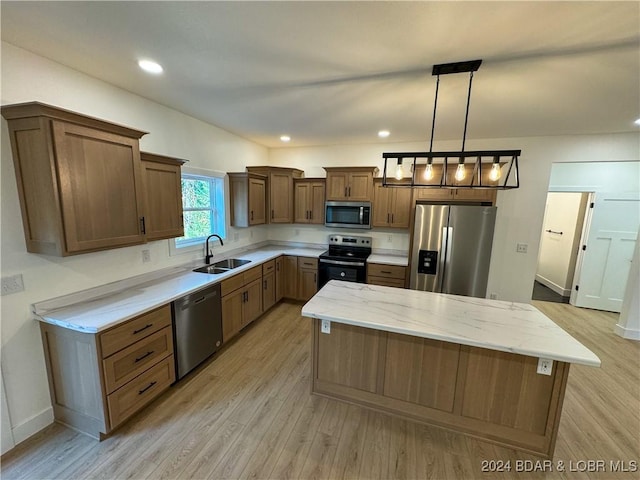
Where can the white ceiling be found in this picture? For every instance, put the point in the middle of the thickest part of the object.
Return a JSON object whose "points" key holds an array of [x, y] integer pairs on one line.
{"points": [[337, 72]]}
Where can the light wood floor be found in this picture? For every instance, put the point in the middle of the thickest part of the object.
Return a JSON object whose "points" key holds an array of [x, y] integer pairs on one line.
{"points": [[249, 414]]}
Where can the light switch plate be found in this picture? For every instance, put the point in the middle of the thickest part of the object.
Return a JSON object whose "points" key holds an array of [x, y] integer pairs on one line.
{"points": [[522, 247], [12, 284]]}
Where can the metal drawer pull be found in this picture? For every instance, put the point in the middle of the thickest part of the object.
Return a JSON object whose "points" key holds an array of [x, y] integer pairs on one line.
{"points": [[143, 356], [148, 325], [140, 392], [385, 271]]}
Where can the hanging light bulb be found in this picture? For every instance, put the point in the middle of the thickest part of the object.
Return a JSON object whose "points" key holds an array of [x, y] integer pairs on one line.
{"points": [[428, 171], [399, 171], [460, 173], [495, 172]]}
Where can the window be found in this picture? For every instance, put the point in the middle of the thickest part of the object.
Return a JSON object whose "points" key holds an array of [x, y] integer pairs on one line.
{"points": [[203, 207]]}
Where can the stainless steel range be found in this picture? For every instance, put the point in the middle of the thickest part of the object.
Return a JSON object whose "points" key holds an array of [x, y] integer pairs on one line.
{"points": [[345, 260]]}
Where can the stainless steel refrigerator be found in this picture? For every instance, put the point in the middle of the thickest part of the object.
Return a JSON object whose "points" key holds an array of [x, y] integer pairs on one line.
{"points": [[451, 248]]}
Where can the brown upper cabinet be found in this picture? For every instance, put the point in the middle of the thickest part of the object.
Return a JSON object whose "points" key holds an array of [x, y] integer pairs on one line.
{"points": [[484, 195], [391, 205], [279, 191], [248, 195], [350, 183], [163, 196], [79, 179], [308, 197]]}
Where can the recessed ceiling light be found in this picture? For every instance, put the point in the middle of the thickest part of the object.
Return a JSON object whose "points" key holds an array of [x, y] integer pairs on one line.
{"points": [[150, 66], [383, 133], [285, 138], [637, 122]]}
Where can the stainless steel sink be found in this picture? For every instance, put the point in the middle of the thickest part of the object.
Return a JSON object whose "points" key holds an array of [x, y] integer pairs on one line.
{"points": [[231, 263], [211, 270], [222, 266]]}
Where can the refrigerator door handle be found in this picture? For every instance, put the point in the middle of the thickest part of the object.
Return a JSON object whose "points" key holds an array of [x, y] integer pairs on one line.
{"points": [[445, 257]]}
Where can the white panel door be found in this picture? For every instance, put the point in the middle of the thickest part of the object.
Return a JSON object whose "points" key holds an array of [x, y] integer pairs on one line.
{"points": [[611, 237]]}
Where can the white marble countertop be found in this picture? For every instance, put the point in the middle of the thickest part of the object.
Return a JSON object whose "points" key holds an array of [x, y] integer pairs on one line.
{"points": [[100, 308], [492, 324], [401, 260]]}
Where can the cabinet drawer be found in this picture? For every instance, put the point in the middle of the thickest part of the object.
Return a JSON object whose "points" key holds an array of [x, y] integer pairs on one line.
{"points": [[136, 394], [127, 364], [386, 271], [308, 263], [268, 267], [133, 330], [231, 284], [253, 274], [386, 282]]}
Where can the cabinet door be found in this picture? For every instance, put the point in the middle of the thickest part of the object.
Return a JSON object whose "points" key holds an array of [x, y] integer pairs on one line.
{"points": [[337, 185], [163, 205], [360, 186], [301, 202], [257, 197], [381, 201], [281, 197], [252, 307], [268, 291], [400, 207], [438, 194], [316, 203], [279, 288], [100, 183], [475, 195], [307, 283], [232, 314], [290, 283]]}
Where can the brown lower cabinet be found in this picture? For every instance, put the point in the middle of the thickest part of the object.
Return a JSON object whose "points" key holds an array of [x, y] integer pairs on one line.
{"points": [[386, 275], [97, 381], [241, 301], [301, 277], [496, 396]]}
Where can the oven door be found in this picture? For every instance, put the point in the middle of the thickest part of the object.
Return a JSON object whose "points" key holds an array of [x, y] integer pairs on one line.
{"points": [[347, 271]]}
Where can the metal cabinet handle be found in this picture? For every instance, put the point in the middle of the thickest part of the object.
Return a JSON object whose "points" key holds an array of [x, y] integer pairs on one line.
{"points": [[349, 191], [142, 225], [392, 218], [387, 218], [265, 285], [140, 392], [385, 271], [143, 356], [272, 214], [310, 214], [251, 214], [148, 325]]}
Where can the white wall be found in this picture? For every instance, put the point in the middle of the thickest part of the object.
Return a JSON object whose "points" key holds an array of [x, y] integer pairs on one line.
{"points": [[520, 211], [27, 77], [564, 213]]}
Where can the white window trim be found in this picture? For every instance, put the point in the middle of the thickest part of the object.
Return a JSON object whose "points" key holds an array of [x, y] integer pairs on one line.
{"points": [[198, 245]]}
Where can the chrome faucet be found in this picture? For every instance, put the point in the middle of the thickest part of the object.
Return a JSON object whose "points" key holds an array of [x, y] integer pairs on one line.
{"points": [[209, 255]]}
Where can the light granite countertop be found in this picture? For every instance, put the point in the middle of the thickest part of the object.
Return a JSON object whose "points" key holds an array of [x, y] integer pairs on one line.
{"points": [[492, 324], [401, 260], [100, 308]]}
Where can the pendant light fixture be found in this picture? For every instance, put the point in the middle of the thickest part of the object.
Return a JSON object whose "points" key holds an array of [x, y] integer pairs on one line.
{"points": [[475, 169]]}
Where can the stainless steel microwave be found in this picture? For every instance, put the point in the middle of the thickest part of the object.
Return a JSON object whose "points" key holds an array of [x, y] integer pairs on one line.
{"points": [[348, 214]]}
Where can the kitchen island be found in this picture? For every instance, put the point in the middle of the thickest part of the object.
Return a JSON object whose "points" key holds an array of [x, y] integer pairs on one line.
{"points": [[462, 363]]}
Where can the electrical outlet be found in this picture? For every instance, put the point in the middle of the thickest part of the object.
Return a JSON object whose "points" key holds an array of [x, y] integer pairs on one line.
{"points": [[12, 284], [545, 366], [493, 296], [326, 326], [389, 238], [296, 232], [146, 256], [522, 247]]}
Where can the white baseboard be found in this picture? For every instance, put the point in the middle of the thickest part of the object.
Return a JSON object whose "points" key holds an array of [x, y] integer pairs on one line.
{"points": [[32, 426], [628, 333], [565, 292]]}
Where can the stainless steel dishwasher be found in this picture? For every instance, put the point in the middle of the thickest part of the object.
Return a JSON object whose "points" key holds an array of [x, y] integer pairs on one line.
{"points": [[197, 328]]}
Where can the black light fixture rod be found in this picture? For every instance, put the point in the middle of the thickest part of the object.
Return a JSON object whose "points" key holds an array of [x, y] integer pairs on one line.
{"points": [[466, 115], [433, 122]]}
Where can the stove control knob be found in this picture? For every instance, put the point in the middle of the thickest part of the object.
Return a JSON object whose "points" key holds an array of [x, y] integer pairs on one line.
{"points": [[342, 274]]}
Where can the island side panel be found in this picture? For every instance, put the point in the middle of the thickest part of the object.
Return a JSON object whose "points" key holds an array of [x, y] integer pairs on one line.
{"points": [[491, 390]]}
